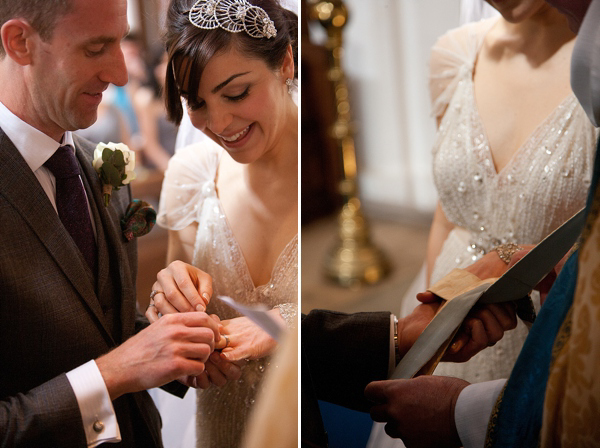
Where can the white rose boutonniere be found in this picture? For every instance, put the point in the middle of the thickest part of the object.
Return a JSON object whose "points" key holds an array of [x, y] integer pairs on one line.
{"points": [[114, 163]]}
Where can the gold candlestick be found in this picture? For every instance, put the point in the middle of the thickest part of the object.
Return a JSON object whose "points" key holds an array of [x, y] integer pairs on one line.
{"points": [[354, 259]]}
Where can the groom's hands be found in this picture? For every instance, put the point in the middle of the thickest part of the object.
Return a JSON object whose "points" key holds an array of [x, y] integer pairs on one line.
{"points": [[420, 411], [184, 288], [175, 346]]}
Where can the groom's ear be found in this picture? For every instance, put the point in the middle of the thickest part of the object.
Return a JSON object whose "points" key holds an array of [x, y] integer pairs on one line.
{"points": [[17, 39]]}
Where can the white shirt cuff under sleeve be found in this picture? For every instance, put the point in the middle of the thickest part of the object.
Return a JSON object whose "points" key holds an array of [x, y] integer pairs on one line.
{"points": [[392, 349], [473, 410], [97, 412]]}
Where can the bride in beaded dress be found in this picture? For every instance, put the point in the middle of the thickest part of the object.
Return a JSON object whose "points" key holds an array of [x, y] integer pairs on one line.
{"points": [[513, 155], [231, 203]]}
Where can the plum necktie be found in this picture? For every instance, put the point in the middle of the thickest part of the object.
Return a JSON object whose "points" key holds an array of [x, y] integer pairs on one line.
{"points": [[71, 202]]}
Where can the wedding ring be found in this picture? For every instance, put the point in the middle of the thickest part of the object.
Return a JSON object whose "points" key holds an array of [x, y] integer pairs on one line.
{"points": [[154, 292], [151, 304], [226, 341]]}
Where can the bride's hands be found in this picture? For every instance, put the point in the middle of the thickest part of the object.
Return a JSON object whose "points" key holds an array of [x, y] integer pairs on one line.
{"points": [[218, 371], [241, 339], [181, 287], [246, 339]]}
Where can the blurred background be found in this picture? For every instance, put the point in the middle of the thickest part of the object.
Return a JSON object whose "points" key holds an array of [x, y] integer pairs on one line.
{"points": [[386, 46]]}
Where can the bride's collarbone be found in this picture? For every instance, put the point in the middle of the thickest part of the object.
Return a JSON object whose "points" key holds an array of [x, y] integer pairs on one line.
{"points": [[261, 235], [264, 234], [512, 108], [262, 248], [263, 221]]}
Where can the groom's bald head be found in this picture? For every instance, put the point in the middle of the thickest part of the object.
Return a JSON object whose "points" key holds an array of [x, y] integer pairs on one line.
{"points": [[42, 15]]}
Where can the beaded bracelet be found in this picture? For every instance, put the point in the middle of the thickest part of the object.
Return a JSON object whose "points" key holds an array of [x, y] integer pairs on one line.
{"points": [[506, 251]]}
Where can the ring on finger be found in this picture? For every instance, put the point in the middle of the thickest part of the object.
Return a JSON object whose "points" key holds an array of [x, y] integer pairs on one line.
{"points": [[154, 292], [226, 341]]}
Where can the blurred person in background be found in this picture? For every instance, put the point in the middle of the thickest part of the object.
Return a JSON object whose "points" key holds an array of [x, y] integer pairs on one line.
{"points": [[157, 133]]}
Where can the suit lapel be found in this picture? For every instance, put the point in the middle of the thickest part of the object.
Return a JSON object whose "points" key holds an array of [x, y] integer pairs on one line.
{"points": [[118, 260], [22, 190], [92, 185], [110, 238]]}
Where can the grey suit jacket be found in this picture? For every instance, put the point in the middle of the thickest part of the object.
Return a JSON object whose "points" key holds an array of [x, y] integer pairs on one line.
{"points": [[54, 316]]}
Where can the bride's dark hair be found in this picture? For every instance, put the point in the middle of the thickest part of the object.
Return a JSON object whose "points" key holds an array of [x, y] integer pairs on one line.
{"points": [[190, 48]]}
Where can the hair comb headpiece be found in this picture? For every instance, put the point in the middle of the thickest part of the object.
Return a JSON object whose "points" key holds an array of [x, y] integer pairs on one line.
{"points": [[233, 16]]}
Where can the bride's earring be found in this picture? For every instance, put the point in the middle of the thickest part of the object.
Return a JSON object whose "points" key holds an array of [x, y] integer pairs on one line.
{"points": [[290, 85]]}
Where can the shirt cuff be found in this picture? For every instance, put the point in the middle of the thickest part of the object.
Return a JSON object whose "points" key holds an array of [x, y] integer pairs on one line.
{"points": [[97, 412], [473, 410], [392, 352]]}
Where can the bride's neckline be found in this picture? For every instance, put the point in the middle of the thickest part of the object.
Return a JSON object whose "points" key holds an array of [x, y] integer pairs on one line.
{"points": [[525, 144], [238, 248], [527, 141], [279, 261]]}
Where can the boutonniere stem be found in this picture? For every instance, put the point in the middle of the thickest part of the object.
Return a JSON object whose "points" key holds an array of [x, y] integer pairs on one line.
{"points": [[114, 163]]}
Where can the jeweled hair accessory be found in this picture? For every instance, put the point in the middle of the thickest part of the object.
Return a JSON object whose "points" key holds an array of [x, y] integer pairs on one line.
{"points": [[233, 16]]}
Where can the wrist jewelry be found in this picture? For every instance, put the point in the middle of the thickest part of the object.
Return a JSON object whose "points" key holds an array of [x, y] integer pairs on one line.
{"points": [[506, 251], [396, 346]]}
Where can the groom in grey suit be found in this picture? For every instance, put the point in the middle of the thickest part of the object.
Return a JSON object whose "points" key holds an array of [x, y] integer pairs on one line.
{"points": [[75, 356]]}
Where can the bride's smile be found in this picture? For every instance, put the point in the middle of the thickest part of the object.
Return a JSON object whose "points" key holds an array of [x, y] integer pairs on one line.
{"points": [[241, 103], [237, 136]]}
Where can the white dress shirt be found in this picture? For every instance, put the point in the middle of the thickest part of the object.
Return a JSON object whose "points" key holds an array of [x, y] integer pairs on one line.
{"points": [[473, 410], [87, 382]]}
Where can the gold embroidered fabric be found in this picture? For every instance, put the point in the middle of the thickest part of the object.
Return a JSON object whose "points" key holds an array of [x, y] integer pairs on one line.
{"points": [[494, 418], [572, 402]]}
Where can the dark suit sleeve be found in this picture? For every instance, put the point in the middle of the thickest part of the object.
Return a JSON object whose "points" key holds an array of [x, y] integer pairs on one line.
{"points": [[343, 353], [46, 416]]}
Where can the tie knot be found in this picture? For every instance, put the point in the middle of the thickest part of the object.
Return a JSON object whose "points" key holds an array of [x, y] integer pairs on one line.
{"points": [[63, 163]]}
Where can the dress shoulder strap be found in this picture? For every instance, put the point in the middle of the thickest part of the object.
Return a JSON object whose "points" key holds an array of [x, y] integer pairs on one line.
{"points": [[452, 56]]}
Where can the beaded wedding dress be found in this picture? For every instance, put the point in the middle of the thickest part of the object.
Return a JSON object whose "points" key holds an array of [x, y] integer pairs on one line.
{"points": [[544, 184], [188, 196]]}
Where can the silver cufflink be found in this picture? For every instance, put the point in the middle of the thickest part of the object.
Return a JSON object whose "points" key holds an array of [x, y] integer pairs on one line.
{"points": [[98, 426]]}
